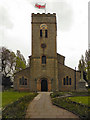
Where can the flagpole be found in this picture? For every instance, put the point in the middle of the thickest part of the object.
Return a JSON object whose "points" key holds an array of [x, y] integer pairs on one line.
{"points": [[45, 8]]}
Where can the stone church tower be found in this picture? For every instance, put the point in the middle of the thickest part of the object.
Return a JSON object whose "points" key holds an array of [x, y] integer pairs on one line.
{"points": [[47, 71], [44, 56]]}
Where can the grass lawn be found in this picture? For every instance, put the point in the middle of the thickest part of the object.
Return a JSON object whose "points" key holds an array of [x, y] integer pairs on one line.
{"points": [[66, 102], [9, 97], [81, 111], [81, 99], [15, 104], [0, 99]]}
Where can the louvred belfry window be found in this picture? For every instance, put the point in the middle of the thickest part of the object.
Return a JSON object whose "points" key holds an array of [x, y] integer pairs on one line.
{"points": [[46, 33], [40, 33], [43, 31]]}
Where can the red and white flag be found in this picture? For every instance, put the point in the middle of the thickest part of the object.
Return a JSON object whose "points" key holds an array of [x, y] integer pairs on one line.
{"points": [[40, 6]]}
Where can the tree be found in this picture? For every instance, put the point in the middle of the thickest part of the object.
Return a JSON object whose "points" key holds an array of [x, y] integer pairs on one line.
{"points": [[11, 63], [8, 66], [84, 64], [6, 81], [20, 61], [8, 62], [87, 61], [81, 64]]}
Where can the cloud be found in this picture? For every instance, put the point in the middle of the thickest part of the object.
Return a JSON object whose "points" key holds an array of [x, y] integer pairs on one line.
{"points": [[5, 18], [64, 14]]}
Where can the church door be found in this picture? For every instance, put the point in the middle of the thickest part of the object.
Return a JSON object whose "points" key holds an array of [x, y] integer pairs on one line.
{"points": [[44, 85]]}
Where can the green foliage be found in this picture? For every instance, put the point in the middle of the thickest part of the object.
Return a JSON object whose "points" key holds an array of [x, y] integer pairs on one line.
{"points": [[84, 64], [12, 62], [20, 61], [58, 94], [81, 99], [82, 111], [81, 65], [9, 97], [72, 103], [19, 64], [18, 108], [8, 62], [87, 59]]}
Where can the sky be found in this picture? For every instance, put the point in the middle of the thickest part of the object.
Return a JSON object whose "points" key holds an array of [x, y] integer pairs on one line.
{"points": [[72, 26]]}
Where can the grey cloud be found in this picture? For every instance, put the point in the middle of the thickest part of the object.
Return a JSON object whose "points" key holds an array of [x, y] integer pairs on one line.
{"points": [[5, 18], [64, 13]]}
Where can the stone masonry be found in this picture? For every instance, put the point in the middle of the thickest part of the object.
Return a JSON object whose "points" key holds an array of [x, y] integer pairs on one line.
{"points": [[47, 71]]}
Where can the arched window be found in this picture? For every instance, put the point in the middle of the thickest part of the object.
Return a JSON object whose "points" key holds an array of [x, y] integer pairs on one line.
{"points": [[23, 81], [40, 33], [43, 30], [69, 81], [43, 59], [46, 33]]}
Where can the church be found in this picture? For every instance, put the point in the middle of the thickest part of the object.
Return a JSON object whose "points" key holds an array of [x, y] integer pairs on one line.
{"points": [[47, 70]]}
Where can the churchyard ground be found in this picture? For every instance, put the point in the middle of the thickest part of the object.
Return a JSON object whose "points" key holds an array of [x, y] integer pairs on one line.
{"points": [[14, 104], [76, 102]]}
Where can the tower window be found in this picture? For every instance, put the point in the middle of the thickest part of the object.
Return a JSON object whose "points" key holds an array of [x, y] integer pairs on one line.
{"points": [[46, 33], [43, 59], [40, 33]]}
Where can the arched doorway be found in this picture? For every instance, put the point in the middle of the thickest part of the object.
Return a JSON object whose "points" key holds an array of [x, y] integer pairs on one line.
{"points": [[44, 85]]}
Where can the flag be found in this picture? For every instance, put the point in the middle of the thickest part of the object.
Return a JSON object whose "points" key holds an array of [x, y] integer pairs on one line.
{"points": [[37, 5]]}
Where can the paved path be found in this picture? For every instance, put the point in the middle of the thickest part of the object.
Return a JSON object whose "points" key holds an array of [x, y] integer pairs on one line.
{"points": [[41, 107]]}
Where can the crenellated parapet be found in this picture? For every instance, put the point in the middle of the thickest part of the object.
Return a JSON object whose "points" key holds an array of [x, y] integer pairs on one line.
{"points": [[44, 18], [43, 15]]}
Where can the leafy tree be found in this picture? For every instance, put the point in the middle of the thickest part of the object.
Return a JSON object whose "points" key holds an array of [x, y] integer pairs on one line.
{"points": [[20, 61], [6, 82], [81, 65], [8, 66], [84, 64], [87, 61], [8, 62]]}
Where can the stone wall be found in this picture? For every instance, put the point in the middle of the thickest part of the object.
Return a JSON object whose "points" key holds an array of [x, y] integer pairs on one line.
{"points": [[54, 71], [64, 71], [25, 73], [60, 58], [37, 69]]}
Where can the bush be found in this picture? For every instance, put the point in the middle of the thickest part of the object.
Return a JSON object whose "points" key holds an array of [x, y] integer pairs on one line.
{"points": [[58, 94]]}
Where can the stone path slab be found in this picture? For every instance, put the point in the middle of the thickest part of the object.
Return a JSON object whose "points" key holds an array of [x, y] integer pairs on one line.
{"points": [[42, 107]]}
